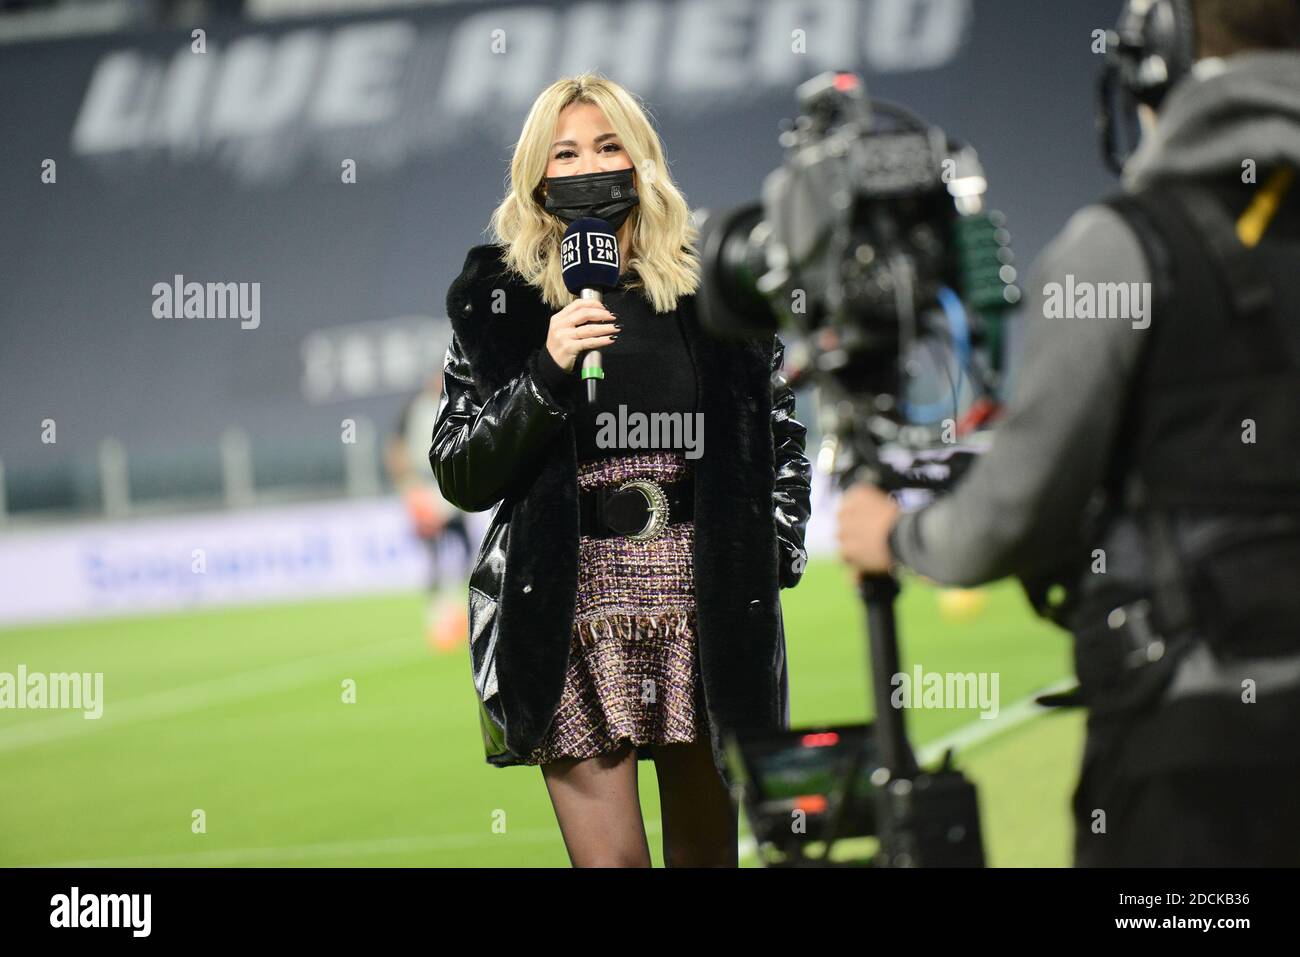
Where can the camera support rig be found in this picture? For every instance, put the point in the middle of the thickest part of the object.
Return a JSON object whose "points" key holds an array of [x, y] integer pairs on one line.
{"points": [[872, 240]]}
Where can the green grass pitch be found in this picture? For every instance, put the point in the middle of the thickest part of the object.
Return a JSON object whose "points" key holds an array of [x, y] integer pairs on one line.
{"points": [[239, 714]]}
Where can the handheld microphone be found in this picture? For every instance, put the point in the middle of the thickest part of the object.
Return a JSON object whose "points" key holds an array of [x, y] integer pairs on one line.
{"points": [[589, 260]]}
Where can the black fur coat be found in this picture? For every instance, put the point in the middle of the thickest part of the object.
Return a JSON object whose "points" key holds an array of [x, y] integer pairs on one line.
{"points": [[502, 439]]}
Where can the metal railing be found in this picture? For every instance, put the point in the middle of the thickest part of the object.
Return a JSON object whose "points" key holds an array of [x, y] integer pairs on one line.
{"points": [[239, 478]]}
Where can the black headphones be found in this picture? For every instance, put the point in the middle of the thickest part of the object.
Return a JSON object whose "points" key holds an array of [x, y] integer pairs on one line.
{"points": [[1151, 48]]}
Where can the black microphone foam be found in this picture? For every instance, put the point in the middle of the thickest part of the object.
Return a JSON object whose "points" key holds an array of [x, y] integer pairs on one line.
{"points": [[589, 255]]}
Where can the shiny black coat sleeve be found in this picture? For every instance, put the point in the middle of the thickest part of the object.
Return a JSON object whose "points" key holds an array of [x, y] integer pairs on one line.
{"points": [[792, 496], [485, 449]]}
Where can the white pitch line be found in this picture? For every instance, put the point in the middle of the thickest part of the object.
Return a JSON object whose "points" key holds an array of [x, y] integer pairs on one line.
{"points": [[195, 697], [967, 736], [305, 852], [982, 729]]}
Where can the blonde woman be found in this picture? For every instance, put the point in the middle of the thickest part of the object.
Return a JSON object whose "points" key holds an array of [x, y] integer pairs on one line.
{"points": [[601, 635]]}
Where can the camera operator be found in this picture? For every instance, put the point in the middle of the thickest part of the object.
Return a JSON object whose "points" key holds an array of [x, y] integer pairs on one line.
{"points": [[1145, 482]]}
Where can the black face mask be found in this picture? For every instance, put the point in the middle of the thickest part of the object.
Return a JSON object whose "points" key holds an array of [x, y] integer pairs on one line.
{"points": [[609, 196]]}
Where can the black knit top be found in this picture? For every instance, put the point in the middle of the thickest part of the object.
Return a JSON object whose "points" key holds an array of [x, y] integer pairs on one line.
{"points": [[648, 370]]}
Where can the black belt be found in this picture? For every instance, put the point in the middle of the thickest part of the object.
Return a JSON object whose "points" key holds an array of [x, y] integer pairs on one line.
{"points": [[640, 509]]}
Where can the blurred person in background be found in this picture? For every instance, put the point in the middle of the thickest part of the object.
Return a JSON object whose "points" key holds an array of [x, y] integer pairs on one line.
{"points": [[435, 521], [1145, 484], [597, 641]]}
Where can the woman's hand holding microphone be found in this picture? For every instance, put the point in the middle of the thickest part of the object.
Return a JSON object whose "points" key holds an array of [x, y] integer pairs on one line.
{"points": [[581, 325]]}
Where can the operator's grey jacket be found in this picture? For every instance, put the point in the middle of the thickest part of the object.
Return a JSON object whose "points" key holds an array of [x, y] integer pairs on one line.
{"points": [[503, 440], [1028, 495]]}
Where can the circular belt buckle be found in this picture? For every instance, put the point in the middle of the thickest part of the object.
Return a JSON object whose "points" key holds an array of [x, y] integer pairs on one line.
{"points": [[656, 503]]}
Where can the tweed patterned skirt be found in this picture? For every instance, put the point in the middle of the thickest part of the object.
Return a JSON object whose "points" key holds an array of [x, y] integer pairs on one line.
{"points": [[633, 673]]}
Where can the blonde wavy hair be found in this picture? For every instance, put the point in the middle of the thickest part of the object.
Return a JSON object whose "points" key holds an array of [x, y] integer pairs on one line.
{"points": [[662, 246]]}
